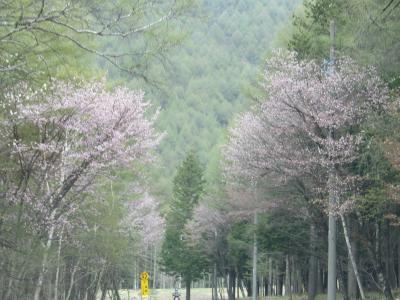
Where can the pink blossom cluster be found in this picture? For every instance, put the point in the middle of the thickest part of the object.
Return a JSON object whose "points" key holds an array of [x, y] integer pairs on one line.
{"points": [[144, 216], [308, 122], [61, 136], [98, 125], [208, 225]]}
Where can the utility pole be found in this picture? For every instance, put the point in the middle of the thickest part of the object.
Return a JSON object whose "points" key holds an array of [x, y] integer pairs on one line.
{"points": [[254, 288], [332, 197]]}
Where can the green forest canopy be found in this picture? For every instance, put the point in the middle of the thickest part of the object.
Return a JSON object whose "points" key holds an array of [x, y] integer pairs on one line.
{"points": [[204, 81]]}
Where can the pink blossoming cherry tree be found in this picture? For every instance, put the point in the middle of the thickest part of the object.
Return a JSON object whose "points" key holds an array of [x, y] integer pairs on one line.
{"points": [[62, 137], [308, 123]]}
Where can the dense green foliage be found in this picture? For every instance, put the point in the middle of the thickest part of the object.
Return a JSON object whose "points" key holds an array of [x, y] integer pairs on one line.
{"points": [[365, 32], [210, 72], [205, 80]]}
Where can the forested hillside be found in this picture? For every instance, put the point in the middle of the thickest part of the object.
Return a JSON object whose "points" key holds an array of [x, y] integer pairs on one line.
{"points": [[208, 76], [205, 80]]}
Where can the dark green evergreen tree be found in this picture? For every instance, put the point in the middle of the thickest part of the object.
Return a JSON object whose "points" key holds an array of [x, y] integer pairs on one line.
{"points": [[180, 256]]}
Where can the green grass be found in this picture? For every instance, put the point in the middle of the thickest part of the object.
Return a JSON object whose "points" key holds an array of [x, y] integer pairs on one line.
{"points": [[166, 294]]}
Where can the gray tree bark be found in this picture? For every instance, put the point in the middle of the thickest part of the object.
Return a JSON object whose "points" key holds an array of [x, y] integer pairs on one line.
{"points": [[351, 256], [312, 265], [332, 273], [214, 284], [43, 268], [288, 281], [72, 281], [377, 259], [155, 267], [320, 272], [270, 282], [188, 283], [58, 265], [279, 278], [254, 278], [351, 278], [341, 280]]}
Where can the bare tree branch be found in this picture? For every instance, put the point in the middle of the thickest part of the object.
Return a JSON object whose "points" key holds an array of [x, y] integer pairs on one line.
{"points": [[79, 23]]}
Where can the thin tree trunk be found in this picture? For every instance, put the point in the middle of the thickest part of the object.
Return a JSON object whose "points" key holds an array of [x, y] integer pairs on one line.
{"points": [[312, 267], [214, 287], [241, 288], [62, 177], [237, 282], [155, 267], [98, 282], [288, 289], [279, 279], [254, 278], [382, 280], [43, 269], [291, 277], [300, 283], [276, 281], [103, 293], [221, 288], [351, 278], [320, 281], [231, 285], [351, 256], [295, 276], [227, 285], [2, 280], [390, 266], [237, 288], [387, 252], [135, 276], [116, 290], [188, 282], [58, 265], [270, 276], [10, 290], [71, 283], [332, 257], [263, 286], [49, 289], [342, 282], [10, 281]]}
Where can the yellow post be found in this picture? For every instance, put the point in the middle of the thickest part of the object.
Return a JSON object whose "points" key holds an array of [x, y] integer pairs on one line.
{"points": [[144, 284]]}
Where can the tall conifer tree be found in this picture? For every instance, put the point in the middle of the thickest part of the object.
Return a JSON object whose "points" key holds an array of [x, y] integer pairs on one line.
{"points": [[179, 256]]}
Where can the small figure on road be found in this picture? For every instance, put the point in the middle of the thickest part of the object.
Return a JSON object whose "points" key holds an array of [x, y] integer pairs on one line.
{"points": [[176, 295]]}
